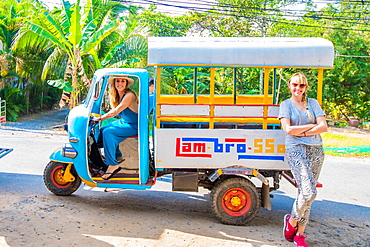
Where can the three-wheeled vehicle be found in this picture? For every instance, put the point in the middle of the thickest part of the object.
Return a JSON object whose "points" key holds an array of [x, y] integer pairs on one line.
{"points": [[231, 144]]}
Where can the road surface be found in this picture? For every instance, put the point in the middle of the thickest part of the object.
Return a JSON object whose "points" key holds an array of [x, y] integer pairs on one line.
{"points": [[31, 216]]}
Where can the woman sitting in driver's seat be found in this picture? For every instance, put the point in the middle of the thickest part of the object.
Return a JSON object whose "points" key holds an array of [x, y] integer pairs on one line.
{"points": [[125, 104]]}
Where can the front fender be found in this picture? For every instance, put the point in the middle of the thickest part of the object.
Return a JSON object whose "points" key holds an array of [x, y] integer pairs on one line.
{"points": [[58, 157]]}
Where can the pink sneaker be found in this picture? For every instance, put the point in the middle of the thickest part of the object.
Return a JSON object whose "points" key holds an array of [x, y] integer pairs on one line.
{"points": [[299, 240], [289, 230]]}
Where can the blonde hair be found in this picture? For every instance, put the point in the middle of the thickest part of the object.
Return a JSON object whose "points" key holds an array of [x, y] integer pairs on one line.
{"points": [[113, 93], [300, 78]]}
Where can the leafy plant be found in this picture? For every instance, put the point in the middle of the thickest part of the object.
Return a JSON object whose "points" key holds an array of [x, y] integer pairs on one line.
{"points": [[9, 94], [61, 84]]}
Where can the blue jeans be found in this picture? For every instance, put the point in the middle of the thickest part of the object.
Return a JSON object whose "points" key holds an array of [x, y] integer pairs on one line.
{"points": [[112, 135]]}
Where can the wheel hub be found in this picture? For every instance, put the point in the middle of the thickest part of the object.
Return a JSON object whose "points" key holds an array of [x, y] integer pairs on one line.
{"points": [[59, 177], [236, 202]]}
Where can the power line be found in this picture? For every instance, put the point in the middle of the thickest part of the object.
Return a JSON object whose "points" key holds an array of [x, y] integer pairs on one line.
{"points": [[209, 10], [216, 5], [204, 6], [219, 7]]}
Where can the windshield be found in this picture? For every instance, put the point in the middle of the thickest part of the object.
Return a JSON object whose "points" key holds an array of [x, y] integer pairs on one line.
{"points": [[94, 91]]}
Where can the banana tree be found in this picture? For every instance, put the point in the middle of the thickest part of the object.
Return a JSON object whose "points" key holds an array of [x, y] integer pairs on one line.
{"points": [[74, 31], [12, 14]]}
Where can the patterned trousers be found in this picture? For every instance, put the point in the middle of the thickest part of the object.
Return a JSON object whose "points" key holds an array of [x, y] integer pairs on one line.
{"points": [[305, 163]]}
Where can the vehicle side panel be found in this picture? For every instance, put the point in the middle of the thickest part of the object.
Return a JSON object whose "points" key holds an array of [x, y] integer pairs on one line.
{"points": [[219, 148]]}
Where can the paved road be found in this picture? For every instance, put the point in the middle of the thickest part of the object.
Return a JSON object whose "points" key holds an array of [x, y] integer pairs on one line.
{"points": [[342, 206]]}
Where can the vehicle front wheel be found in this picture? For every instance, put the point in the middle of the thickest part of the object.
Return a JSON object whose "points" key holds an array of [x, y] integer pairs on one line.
{"points": [[235, 201], [53, 179]]}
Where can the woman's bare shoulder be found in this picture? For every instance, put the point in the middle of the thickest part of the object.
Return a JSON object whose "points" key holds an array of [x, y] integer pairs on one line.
{"points": [[130, 95]]}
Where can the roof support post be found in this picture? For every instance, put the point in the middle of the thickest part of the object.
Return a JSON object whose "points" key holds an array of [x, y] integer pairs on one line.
{"points": [[234, 83], [265, 96], [274, 86], [158, 95], [212, 99], [195, 84], [319, 85]]}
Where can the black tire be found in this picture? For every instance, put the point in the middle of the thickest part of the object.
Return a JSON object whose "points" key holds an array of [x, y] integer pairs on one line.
{"points": [[54, 182], [235, 201]]}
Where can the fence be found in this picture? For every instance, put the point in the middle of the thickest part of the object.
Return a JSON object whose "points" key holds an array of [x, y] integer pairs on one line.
{"points": [[2, 111]]}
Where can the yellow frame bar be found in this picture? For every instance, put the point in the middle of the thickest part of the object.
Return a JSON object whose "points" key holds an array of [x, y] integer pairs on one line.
{"points": [[319, 85], [158, 94], [212, 98], [265, 96]]}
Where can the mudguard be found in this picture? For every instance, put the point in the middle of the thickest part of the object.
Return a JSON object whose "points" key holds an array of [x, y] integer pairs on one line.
{"points": [[58, 157]]}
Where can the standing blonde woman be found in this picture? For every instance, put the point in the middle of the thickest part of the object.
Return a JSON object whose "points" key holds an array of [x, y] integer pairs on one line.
{"points": [[302, 120]]}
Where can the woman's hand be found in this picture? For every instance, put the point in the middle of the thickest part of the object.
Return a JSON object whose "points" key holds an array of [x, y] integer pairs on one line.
{"points": [[96, 119], [297, 130], [320, 127]]}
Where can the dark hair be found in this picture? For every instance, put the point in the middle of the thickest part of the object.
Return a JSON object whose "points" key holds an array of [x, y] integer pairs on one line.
{"points": [[151, 81]]}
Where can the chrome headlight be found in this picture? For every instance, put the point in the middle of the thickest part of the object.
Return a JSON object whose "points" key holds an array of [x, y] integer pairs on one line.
{"points": [[68, 151]]}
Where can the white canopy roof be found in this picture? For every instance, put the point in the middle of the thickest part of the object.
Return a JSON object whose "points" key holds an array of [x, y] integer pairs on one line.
{"points": [[241, 52]]}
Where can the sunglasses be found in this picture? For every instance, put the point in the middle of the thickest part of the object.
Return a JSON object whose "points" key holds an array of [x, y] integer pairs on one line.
{"points": [[300, 85]]}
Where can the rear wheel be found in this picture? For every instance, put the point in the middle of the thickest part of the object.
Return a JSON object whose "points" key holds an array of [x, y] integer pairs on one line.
{"points": [[53, 179], [235, 201]]}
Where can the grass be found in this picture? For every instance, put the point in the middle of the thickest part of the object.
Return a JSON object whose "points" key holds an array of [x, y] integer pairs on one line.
{"points": [[340, 144]]}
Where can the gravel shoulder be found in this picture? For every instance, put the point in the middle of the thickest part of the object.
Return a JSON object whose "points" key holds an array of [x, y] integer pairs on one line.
{"points": [[48, 124]]}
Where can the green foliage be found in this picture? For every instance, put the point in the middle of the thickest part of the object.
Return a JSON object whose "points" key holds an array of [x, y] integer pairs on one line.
{"points": [[163, 25], [43, 97], [177, 80], [31, 99], [347, 90], [180, 80], [248, 81], [242, 18], [61, 84], [130, 51], [74, 34], [9, 94], [347, 87], [65, 44]]}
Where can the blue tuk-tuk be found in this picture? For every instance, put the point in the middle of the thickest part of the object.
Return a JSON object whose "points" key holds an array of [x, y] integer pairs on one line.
{"points": [[210, 140]]}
